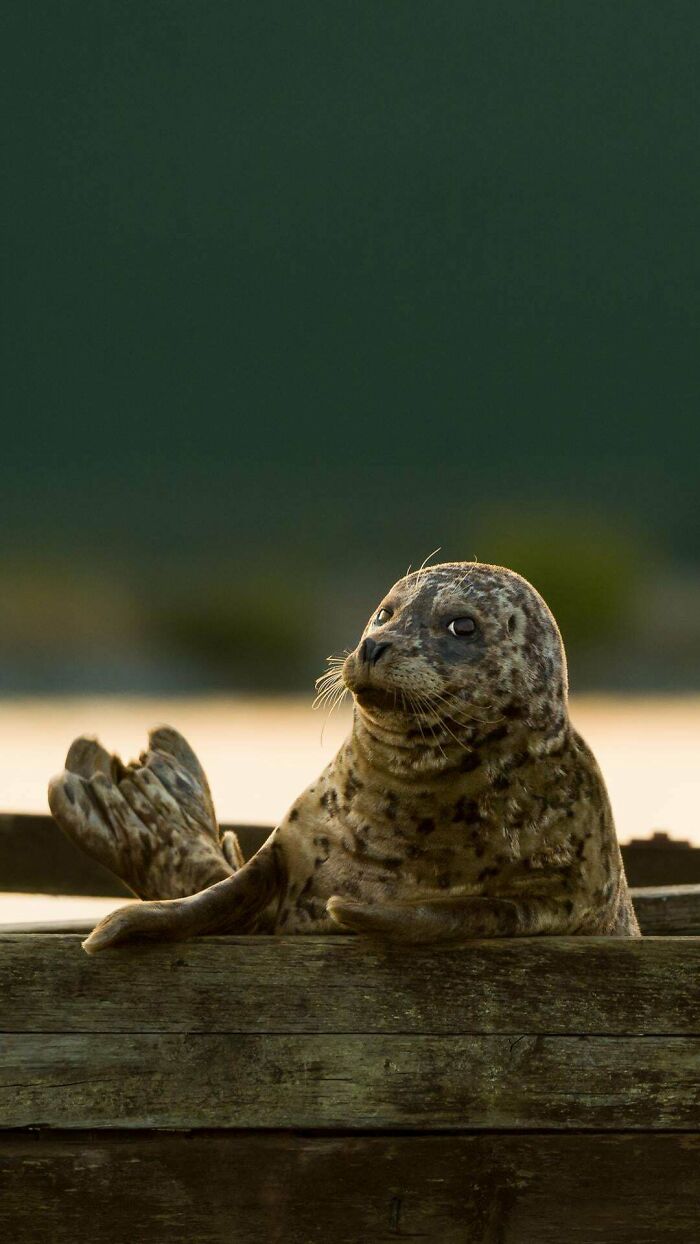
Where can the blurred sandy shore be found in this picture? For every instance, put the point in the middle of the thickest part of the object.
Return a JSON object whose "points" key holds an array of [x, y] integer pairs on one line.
{"points": [[260, 754]]}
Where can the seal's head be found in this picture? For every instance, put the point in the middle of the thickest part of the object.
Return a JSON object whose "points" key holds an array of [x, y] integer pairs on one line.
{"points": [[466, 642]]}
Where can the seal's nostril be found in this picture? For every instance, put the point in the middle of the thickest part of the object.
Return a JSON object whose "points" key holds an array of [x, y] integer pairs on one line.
{"points": [[371, 650]]}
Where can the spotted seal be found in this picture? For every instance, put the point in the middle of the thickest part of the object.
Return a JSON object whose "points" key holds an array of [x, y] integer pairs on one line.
{"points": [[463, 803]]}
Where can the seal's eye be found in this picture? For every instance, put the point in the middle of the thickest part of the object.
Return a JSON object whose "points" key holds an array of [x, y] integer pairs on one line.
{"points": [[462, 627], [383, 616]]}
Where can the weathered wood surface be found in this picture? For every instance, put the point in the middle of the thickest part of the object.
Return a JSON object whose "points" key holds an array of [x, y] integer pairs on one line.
{"points": [[573, 1063], [265, 1189], [330, 985], [661, 860], [36, 857], [349, 1082], [668, 910]]}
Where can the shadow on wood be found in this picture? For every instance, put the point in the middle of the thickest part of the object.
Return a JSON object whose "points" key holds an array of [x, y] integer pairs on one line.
{"points": [[257, 1188]]}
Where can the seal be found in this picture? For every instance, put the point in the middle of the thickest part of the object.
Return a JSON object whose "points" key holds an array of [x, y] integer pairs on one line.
{"points": [[463, 804]]}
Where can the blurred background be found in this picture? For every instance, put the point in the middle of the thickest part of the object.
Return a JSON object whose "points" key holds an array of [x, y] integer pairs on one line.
{"points": [[296, 294]]}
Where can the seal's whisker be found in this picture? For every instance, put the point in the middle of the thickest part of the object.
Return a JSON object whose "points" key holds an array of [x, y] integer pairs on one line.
{"points": [[332, 667], [330, 679], [324, 704], [470, 570], [455, 706], [450, 707], [417, 716], [424, 708], [424, 564], [335, 701], [327, 693], [332, 673], [443, 723], [445, 709], [436, 741], [415, 710], [333, 676]]}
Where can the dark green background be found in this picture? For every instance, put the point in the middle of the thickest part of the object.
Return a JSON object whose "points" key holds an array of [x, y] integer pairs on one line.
{"points": [[296, 292]]}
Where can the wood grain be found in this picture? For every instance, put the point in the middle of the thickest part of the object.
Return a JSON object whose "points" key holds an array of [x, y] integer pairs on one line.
{"points": [[265, 1189], [672, 910], [349, 1082], [36, 857], [345, 984]]}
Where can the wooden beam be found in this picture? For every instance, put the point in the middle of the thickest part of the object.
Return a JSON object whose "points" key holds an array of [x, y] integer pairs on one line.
{"points": [[671, 910], [349, 1082], [37, 858], [254, 1189], [340, 984]]}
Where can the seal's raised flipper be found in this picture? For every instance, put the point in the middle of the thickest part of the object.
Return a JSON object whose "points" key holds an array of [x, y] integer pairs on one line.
{"points": [[172, 760], [86, 756], [151, 822], [235, 905]]}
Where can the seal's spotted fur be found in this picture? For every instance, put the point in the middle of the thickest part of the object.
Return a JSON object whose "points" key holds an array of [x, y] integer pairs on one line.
{"points": [[463, 803]]}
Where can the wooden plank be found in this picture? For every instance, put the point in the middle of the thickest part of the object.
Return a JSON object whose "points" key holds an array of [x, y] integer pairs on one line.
{"points": [[36, 857], [259, 1189], [346, 984], [349, 1082], [671, 910], [661, 860], [83, 927]]}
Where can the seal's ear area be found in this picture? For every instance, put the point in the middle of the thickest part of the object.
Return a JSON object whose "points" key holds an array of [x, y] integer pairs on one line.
{"points": [[229, 906]]}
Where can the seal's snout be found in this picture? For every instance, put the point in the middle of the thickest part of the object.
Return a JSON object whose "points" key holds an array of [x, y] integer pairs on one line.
{"points": [[372, 650]]}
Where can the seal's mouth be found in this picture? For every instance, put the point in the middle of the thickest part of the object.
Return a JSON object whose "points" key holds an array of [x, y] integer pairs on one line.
{"points": [[368, 695], [369, 688]]}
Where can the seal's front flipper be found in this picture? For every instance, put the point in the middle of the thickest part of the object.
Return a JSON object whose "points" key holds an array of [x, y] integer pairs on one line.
{"points": [[452, 918], [151, 822], [234, 905]]}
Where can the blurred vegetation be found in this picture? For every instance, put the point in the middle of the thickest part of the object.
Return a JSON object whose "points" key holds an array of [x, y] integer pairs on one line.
{"points": [[589, 572], [247, 634], [630, 618], [291, 300]]}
